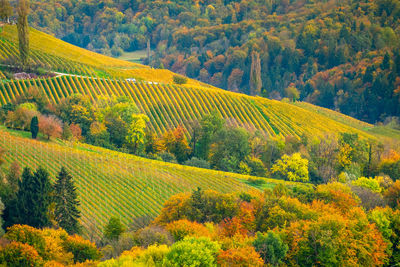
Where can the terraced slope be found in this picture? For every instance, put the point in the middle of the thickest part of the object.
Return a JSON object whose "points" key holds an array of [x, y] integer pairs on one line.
{"points": [[170, 105], [167, 104], [110, 183]]}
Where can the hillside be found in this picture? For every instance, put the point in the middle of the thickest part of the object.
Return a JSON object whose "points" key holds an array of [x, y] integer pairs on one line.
{"points": [[115, 184], [168, 105], [343, 55]]}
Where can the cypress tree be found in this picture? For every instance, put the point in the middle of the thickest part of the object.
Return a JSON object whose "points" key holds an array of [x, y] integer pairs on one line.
{"points": [[255, 74], [66, 203], [23, 32], [34, 127], [33, 199]]}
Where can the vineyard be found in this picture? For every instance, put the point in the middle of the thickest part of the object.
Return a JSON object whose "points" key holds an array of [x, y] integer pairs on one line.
{"points": [[111, 183], [169, 106]]}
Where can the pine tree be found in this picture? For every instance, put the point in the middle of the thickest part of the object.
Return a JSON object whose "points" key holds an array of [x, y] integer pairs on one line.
{"points": [[33, 199], [34, 127], [66, 203], [23, 31], [255, 74]]}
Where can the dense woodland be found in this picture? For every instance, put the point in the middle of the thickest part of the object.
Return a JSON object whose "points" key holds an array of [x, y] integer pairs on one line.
{"points": [[341, 55]]}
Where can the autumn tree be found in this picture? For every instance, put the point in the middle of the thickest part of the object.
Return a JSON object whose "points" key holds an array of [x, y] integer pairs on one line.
{"points": [[6, 10], [175, 142], [255, 74], [136, 132], [66, 202], [50, 126], [292, 168], [23, 32]]}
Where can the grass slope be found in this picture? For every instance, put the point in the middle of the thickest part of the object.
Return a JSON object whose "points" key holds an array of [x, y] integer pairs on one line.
{"points": [[111, 183]]}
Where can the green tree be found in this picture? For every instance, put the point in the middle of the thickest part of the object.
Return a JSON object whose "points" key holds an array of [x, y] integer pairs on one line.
{"points": [[210, 125], [292, 93], [292, 168], [23, 32], [136, 132], [193, 252], [270, 247], [230, 147], [113, 229], [33, 199], [34, 127], [66, 203]]}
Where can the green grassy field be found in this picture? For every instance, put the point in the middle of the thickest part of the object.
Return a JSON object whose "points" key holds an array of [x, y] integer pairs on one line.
{"points": [[134, 56]]}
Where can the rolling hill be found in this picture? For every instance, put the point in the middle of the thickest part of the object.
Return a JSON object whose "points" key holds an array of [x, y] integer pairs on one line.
{"points": [[115, 184], [111, 183], [167, 104]]}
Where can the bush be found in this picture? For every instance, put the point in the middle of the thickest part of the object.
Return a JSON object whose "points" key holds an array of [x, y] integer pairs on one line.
{"points": [[153, 235], [179, 79], [369, 183], [81, 249], [18, 254], [196, 162], [168, 157], [193, 252]]}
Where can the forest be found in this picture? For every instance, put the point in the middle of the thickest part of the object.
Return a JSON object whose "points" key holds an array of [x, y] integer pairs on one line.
{"points": [[343, 55]]}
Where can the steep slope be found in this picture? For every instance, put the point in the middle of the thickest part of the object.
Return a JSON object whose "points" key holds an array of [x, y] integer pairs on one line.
{"points": [[115, 184]]}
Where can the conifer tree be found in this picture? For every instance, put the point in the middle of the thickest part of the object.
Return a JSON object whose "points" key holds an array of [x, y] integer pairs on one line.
{"points": [[66, 203], [33, 199], [23, 31], [255, 74], [34, 127]]}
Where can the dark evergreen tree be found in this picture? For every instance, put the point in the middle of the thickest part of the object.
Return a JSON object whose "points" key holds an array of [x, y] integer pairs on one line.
{"points": [[34, 127], [66, 203], [33, 199]]}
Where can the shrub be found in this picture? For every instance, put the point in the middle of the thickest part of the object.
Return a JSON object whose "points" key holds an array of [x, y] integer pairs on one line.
{"points": [[193, 252], [18, 254], [153, 235], [179, 79], [369, 183], [168, 157], [196, 162], [81, 249]]}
